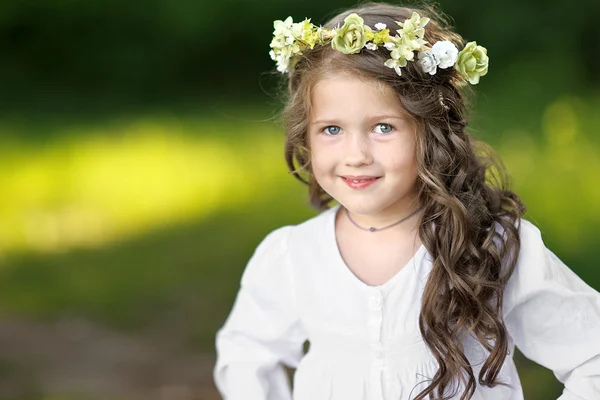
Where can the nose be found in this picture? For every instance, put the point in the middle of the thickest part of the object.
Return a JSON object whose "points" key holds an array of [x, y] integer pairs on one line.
{"points": [[357, 151]]}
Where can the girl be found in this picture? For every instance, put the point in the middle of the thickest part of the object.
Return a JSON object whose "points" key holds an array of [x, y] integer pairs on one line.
{"points": [[424, 277]]}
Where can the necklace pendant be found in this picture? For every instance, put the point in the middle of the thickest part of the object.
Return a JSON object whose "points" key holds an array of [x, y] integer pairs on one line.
{"points": [[372, 229]]}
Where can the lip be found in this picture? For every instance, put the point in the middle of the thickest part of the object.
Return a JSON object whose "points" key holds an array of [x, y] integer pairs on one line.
{"points": [[358, 177], [364, 181]]}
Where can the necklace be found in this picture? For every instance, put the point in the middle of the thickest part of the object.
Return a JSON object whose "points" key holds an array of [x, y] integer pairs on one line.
{"points": [[373, 229]]}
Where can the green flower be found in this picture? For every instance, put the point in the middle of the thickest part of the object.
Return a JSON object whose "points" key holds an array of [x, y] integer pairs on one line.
{"points": [[410, 35], [413, 44], [472, 62], [413, 28], [290, 40], [402, 52], [351, 37], [396, 64]]}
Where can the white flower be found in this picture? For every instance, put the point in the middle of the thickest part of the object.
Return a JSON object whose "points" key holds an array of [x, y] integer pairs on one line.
{"points": [[446, 53], [371, 46], [428, 62], [390, 45], [396, 64], [283, 63], [379, 26], [297, 29], [282, 34], [283, 28]]}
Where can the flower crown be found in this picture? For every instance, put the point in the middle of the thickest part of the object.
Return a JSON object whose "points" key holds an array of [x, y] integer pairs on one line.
{"points": [[291, 40]]}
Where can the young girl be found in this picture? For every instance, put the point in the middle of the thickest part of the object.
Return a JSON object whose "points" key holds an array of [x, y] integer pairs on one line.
{"points": [[424, 277]]}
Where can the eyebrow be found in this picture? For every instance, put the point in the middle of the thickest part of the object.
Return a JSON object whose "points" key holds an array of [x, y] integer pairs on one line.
{"points": [[374, 118]]}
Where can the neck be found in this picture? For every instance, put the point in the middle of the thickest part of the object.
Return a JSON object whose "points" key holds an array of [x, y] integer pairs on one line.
{"points": [[381, 219]]}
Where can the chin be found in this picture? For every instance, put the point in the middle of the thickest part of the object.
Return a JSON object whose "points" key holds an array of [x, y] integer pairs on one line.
{"points": [[364, 207]]}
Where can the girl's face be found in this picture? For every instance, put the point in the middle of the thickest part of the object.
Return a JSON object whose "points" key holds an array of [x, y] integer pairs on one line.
{"points": [[362, 145]]}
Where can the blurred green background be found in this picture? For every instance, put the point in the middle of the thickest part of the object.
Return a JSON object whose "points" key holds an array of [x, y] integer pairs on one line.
{"points": [[141, 163]]}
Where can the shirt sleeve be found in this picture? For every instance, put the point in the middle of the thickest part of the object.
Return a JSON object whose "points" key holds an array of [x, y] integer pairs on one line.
{"points": [[553, 316], [263, 330]]}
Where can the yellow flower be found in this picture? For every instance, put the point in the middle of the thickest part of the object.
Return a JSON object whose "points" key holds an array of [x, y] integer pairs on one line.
{"points": [[351, 37], [381, 37], [308, 34], [472, 62]]}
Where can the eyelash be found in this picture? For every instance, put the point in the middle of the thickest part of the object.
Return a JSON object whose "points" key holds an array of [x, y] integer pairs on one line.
{"points": [[324, 130]]}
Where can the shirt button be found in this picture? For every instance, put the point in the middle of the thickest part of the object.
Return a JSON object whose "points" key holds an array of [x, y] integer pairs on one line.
{"points": [[375, 302]]}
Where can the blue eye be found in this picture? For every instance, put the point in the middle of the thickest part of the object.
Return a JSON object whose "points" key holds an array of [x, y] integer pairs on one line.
{"points": [[332, 130], [385, 128]]}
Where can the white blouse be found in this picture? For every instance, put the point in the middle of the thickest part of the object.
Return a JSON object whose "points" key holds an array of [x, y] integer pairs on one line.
{"points": [[365, 341]]}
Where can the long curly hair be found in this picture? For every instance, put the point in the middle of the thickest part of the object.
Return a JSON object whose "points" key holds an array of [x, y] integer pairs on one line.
{"points": [[470, 218]]}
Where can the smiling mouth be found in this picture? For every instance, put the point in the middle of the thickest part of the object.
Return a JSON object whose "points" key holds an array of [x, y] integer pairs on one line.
{"points": [[359, 182], [359, 178]]}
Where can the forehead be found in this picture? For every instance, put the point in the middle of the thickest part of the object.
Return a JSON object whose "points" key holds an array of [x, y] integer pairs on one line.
{"points": [[353, 95]]}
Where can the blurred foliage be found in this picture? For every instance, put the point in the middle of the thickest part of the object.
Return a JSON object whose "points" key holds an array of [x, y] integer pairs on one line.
{"points": [[109, 53]]}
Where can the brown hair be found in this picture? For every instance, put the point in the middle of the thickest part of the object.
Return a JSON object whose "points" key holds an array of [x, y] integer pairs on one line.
{"points": [[463, 188]]}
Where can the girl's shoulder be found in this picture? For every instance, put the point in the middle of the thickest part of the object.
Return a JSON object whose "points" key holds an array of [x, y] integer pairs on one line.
{"points": [[537, 267], [526, 229], [532, 251], [313, 229], [532, 246], [320, 223]]}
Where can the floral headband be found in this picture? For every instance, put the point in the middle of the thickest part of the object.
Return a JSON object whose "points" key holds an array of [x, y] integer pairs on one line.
{"points": [[291, 40]]}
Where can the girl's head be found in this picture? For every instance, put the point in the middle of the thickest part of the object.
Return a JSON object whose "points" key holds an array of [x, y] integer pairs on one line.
{"points": [[361, 112], [429, 102]]}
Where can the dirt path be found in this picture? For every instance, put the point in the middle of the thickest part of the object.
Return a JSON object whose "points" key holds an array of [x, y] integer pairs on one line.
{"points": [[83, 361]]}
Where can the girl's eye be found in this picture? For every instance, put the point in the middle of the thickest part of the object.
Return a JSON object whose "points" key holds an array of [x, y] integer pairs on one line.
{"points": [[383, 128], [332, 130]]}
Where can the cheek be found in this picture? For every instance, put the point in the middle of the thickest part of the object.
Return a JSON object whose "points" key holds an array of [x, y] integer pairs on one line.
{"points": [[320, 158], [318, 165], [402, 159]]}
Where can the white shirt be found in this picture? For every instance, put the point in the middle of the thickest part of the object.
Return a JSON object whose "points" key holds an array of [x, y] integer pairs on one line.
{"points": [[365, 341]]}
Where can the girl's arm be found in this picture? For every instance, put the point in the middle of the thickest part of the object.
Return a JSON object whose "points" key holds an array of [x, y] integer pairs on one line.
{"points": [[263, 329], [553, 316]]}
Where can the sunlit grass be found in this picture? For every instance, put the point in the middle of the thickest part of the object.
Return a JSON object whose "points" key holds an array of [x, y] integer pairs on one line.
{"points": [[93, 187]]}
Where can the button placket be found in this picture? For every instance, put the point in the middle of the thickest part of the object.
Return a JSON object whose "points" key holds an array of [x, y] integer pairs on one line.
{"points": [[374, 323], [375, 316], [375, 304], [376, 384], [387, 383]]}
